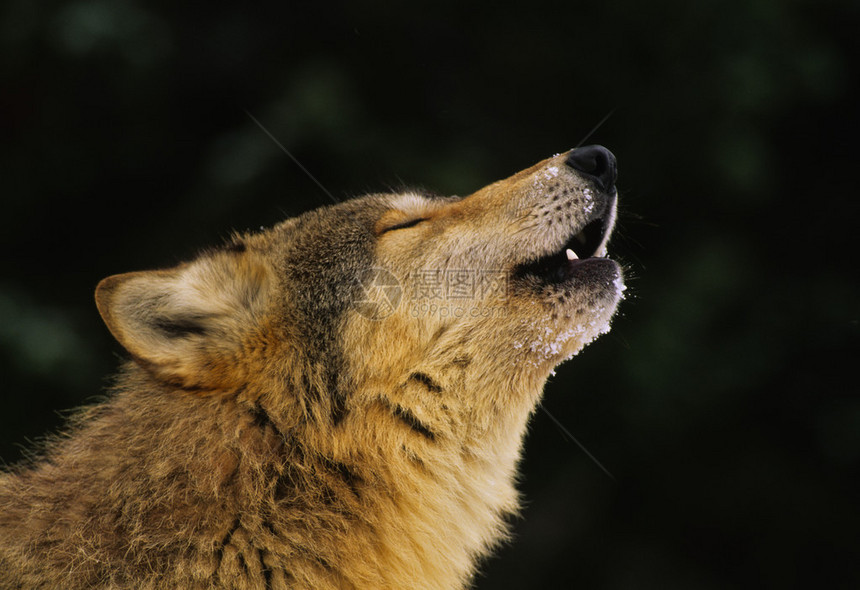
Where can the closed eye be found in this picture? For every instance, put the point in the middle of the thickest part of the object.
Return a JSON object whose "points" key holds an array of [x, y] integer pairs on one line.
{"points": [[404, 225]]}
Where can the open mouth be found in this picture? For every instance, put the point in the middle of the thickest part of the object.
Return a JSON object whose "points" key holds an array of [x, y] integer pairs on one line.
{"points": [[587, 244]]}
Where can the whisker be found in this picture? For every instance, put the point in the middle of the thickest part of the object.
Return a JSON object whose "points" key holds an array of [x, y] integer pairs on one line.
{"points": [[595, 128]]}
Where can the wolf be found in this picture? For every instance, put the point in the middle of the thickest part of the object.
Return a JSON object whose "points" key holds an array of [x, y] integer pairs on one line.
{"points": [[336, 402]]}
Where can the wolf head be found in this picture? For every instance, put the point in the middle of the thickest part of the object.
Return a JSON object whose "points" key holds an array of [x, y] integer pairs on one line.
{"points": [[448, 313]]}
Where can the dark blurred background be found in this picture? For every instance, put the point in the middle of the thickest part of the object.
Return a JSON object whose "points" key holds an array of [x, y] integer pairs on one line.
{"points": [[724, 402]]}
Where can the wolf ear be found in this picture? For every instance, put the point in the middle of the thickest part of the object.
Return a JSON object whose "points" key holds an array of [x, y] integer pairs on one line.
{"points": [[188, 325]]}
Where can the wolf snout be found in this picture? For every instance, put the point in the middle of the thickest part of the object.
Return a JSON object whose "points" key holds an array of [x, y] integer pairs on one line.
{"points": [[597, 163]]}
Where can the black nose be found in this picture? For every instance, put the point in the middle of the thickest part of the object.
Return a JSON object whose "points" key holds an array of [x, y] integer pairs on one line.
{"points": [[597, 162]]}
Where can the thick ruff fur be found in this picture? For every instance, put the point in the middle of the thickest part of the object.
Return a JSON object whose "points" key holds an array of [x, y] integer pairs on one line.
{"points": [[336, 402]]}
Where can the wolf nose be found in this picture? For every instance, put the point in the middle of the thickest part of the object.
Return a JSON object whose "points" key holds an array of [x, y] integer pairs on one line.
{"points": [[597, 162]]}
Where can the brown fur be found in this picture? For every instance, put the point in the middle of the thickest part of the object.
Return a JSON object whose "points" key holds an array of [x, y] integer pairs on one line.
{"points": [[280, 426]]}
